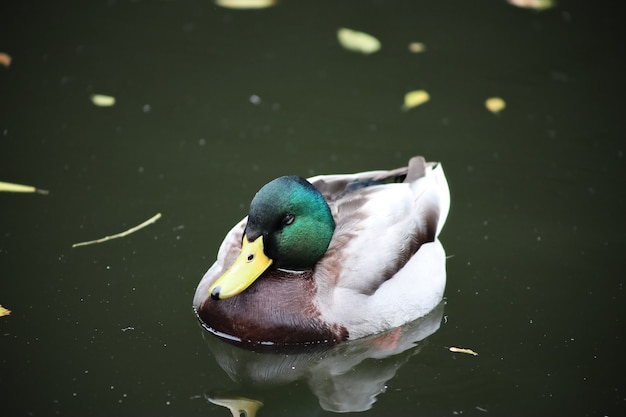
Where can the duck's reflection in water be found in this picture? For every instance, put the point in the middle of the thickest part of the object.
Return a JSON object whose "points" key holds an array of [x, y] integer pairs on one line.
{"points": [[341, 377]]}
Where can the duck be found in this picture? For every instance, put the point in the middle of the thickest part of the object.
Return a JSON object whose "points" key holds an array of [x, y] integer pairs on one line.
{"points": [[330, 258]]}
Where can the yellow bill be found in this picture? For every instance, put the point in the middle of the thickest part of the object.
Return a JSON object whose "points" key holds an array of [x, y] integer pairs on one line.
{"points": [[248, 266]]}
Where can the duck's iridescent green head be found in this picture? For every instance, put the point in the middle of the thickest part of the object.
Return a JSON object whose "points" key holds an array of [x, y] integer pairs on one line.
{"points": [[294, 220], [289, 226]]}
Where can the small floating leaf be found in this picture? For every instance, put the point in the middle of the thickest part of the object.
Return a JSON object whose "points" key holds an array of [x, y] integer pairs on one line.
{"points": [[246, 4], [102, 100], [122, 234], [5, 59], [238, 406], [19, 188], [353, 40], [533, 4], [460, 350], [4, 311], [495, 104], [417, 47], [414, 99]]}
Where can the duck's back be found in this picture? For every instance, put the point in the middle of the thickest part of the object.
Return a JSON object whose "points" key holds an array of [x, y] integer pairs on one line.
{"points": [[384, 219]]}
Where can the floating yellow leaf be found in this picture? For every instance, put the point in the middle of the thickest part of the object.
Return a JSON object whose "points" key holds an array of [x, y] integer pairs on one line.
{"points": [[417, 47], [533, 4], [5, 59], [19, 188], [246, 4], [353, 40], [414, 99], [122, 234], [460, 350], [238, 406], [4, 311], [102, 100], [495, 104]]}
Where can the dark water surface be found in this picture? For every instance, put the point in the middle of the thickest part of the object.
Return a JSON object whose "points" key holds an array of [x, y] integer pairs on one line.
{"points": [[211, 103]]}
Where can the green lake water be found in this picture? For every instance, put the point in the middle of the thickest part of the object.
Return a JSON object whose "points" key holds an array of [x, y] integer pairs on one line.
{"points": [[212, 102]]}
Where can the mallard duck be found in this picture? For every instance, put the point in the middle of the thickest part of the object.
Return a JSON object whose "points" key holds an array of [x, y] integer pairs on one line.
{"points": [[330, 258]]}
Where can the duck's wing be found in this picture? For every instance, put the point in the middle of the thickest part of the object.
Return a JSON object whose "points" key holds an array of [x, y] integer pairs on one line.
{"points": [[429, 200], [336, 186], [380, 228]]}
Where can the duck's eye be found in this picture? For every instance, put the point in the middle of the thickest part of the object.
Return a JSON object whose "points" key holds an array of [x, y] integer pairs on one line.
{"points": [[288, 219]]}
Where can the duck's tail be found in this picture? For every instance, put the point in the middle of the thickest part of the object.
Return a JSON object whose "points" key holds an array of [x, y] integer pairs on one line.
{"points": [[429, 184]]}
